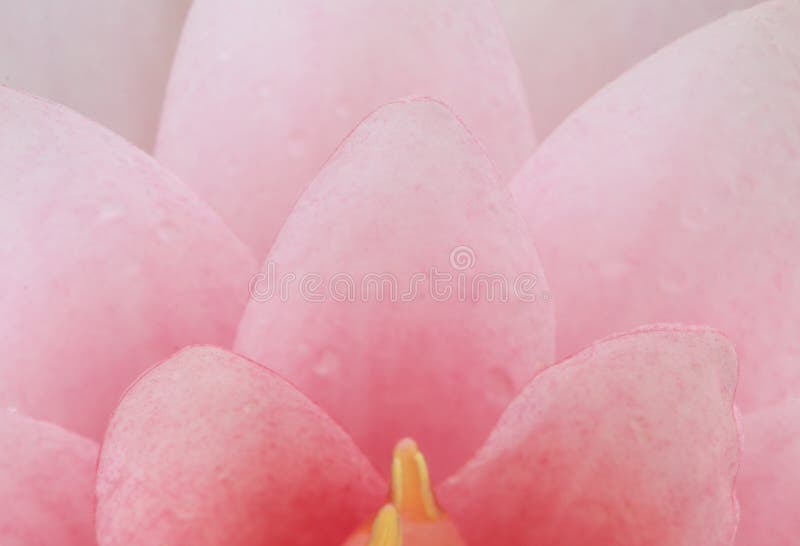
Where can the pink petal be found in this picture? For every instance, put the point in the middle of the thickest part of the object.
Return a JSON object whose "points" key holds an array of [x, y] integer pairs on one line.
{"points": [[410, 190], [108, 60], [567, 51], [210, 449], [632, 441], [263, 92], [46, 484], [769, 482], [110, 265], [673, 196]]}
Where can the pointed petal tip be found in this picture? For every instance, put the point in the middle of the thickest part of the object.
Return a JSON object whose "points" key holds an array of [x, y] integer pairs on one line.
{"points": [[416, 189], [209, 447], [602, 446]]}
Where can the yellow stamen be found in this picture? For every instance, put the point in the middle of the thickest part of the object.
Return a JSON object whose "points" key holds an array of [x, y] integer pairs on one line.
{"points": [[411, 485], [412, 506], [386, 528]]}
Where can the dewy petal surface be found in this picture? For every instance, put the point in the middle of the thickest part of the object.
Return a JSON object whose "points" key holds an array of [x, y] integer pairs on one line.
{"points": [[46, 484], [567, 51], [109, 60], [673, 196], [632, 441], [209, 448], [264, 90], [386, 352], [768, 485], [110, 265]]}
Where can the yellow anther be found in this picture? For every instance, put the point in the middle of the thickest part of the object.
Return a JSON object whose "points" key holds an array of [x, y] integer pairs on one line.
{"points": [[412, 516], [411, 485], [386, 528]]}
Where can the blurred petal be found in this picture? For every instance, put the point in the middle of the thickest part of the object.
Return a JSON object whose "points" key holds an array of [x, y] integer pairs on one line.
{"points": [[632, 441], [389, 351], [108, 60], [674, 196], [209, 448], [769, 482], [569, 50], [46, 484], [110, 265], [264, 91]]}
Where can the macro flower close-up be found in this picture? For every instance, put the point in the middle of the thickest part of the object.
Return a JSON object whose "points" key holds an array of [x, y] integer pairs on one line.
{"points": [[383, 273]]}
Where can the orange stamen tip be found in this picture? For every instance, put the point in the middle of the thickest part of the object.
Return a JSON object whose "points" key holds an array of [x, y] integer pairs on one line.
{"points": [[412, 493], [386, 528]]}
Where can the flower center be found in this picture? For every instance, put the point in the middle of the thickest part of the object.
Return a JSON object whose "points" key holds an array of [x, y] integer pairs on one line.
{"points": [[411, 517]]}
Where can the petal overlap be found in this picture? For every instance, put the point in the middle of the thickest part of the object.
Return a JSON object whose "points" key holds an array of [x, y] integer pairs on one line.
{"points": [[209, 448], [108, 60], [46, 484], [380, 344], [262, 92], [110, 265], [673, 196], [632, 441], [567, 51]]}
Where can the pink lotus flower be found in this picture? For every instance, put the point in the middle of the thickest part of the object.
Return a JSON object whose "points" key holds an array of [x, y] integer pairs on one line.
{"points": [[671, 195]]}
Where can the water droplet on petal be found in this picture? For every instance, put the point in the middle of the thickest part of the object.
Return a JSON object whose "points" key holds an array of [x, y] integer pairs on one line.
{"points": [[328, 364]]}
